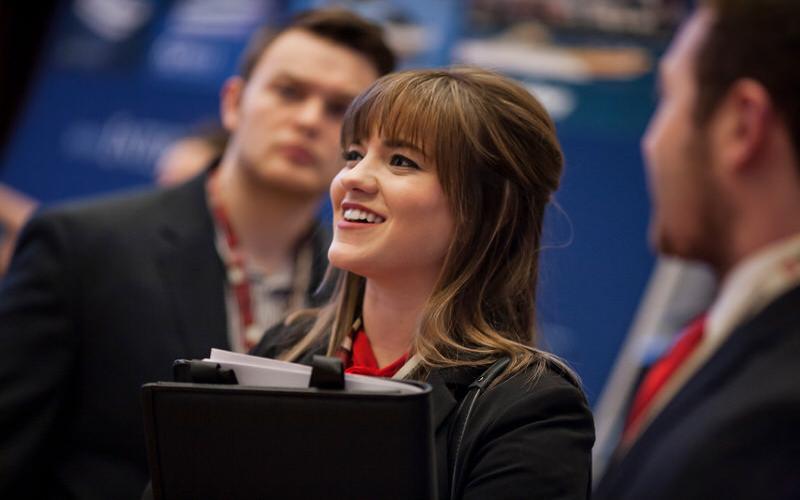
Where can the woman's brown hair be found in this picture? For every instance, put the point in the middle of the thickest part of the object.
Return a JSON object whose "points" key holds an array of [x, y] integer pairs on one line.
{"points": [[498, 161]]}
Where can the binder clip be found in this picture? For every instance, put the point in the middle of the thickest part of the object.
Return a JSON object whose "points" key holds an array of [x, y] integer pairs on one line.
{"points": [[202, 372], [327, 372]]}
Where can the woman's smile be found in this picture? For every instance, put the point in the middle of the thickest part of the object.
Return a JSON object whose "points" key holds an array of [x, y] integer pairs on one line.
{"points": [[357, 213]]}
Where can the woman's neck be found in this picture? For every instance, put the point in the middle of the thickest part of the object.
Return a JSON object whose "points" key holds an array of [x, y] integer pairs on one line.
{"points": [[391, 313]]}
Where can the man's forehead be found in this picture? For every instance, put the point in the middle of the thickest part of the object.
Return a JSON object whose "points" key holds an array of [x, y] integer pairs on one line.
{"points": [[314, 60]]}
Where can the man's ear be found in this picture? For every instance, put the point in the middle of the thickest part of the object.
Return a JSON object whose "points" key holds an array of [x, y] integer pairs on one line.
{"points": [[230, 102], [742, 120]]}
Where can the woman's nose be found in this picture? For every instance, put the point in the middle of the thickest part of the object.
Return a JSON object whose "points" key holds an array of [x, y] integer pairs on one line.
{"points": [[360, 177]]}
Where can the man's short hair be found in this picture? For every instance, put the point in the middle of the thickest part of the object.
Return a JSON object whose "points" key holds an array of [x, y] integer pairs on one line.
{"points": [[758, 39], [339, 26]]}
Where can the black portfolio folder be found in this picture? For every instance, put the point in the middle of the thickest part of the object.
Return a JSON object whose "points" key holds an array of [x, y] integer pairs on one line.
{"points": [[229, 441]]}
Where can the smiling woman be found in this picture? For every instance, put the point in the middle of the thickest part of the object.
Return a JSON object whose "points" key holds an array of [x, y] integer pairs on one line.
{"points": [[437, 222], [394, 183]]}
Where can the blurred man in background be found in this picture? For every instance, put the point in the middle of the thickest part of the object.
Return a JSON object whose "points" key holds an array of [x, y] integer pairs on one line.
{"points": [[717, 416], [102, 296]]}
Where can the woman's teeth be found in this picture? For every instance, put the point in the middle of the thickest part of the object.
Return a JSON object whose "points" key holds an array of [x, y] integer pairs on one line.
{"points": [[356, 215]]}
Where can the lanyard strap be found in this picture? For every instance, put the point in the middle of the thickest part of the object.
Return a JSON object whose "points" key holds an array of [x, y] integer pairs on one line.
{"points": [[234, 265]]}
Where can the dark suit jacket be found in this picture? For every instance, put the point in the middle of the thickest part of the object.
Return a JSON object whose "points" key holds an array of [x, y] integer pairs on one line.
{"points": [[101, 297], [733, 431], [526, 438]]}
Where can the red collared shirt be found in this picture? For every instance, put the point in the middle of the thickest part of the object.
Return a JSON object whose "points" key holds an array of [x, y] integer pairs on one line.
{"points": [[363, 362]]}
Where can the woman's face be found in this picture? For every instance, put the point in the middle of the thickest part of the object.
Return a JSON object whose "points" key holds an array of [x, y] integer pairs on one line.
{"points": [[391, 218]]}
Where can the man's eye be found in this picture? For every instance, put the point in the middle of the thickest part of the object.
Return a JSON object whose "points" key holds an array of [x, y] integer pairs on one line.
{"points": [[288, 91], [336, 109], [402, 161]]}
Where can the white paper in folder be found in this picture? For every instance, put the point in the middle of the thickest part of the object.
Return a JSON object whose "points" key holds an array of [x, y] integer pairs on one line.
{"points": [[266, 372]]}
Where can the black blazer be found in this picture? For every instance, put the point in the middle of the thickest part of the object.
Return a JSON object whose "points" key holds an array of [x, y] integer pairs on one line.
{"points": [[525, 439], [733, 431], [100, 298]]}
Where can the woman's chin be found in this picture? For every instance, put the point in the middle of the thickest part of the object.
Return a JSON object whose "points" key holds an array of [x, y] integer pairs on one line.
{"points": [[346, 260]]}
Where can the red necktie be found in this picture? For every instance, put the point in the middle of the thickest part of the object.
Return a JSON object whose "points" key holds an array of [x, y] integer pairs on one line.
{"points": [[662, 370]]}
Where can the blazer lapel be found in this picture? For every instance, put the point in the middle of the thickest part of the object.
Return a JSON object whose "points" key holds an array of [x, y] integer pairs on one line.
{"points": [[448, 387], [192, 270], [765, 329], [441, 398]]}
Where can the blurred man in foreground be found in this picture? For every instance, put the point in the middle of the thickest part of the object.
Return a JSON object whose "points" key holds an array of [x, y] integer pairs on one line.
{"points": [[101, 297], [718, 416]]}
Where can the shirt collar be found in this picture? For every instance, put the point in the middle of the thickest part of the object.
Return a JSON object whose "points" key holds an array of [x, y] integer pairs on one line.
{"points": [[752, 284]]}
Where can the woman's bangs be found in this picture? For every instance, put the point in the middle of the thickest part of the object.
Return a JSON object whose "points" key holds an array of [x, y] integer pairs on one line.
{"points": [[400, 109]]}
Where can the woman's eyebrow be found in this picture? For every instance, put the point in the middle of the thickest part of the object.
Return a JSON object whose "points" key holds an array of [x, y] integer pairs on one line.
{"points": [[400, 143]]}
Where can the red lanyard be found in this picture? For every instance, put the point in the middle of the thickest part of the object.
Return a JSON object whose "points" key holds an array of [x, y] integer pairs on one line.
{"points": [[234, 265]]}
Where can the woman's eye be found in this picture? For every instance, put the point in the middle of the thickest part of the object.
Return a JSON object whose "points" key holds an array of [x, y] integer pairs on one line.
{"points": [[351, 155], [402, 161]]}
